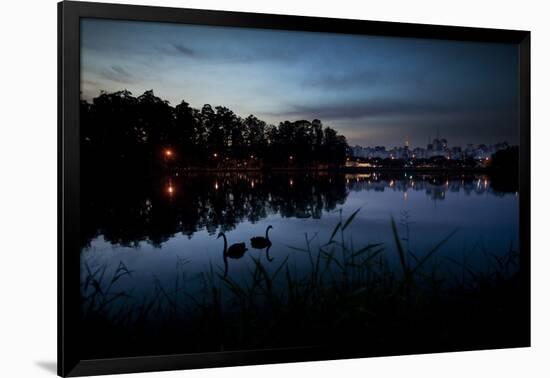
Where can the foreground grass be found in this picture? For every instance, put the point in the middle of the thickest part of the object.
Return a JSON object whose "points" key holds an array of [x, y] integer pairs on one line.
{"points": [[349, 298]]}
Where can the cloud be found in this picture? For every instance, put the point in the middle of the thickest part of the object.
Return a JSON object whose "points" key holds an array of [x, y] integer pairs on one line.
{"points": [[174, 50], [450, 103], [374, 108], [230, 53], [91, 83], [344, 80], [182, 49], [118, 74]]}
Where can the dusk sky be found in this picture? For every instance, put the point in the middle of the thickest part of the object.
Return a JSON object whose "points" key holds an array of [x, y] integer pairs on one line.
{"points": [[373, 90]]}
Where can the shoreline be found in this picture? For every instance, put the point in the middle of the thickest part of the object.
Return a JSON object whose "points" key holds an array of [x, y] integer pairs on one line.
{"points": [[349, 170]]}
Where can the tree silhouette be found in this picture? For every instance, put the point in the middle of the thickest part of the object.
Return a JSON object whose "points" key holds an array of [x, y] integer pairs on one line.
{"points": [[122, 131]]}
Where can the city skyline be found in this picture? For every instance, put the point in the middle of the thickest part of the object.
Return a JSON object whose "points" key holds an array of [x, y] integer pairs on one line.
{"points": [[373, 90], [431, 141], [438, 147]]}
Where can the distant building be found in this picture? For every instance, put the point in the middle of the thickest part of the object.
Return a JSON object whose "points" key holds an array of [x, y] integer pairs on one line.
{"points": [[437, 147]]}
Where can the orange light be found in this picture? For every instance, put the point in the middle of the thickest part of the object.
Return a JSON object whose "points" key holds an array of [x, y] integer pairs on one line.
{"points": [[168, 152], [170, 189]]}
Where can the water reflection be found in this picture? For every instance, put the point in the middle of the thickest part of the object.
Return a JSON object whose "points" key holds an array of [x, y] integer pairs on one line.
{"points": [[131, 210], [435, 186]]}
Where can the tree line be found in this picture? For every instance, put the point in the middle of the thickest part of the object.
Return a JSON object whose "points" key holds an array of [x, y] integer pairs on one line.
{"points": [[118, 128]]}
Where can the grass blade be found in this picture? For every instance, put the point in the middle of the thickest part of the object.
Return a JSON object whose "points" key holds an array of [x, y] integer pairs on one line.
{"points": [[400, 250], [334, 233], [366, 249], [430, 253], [350, 219]]}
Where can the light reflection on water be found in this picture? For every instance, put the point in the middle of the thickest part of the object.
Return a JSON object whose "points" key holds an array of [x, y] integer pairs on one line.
{"points": [[426, 208]]}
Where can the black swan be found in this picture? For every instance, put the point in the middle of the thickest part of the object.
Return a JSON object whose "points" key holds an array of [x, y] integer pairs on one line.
{"points": [[259, 242], [235, 251]]}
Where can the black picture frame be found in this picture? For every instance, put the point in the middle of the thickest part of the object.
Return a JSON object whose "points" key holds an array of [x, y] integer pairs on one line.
{"points": [[69, 15]]}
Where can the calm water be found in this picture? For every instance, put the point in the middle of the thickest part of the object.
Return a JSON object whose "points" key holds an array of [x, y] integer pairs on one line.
{"points": [[155, 226]]}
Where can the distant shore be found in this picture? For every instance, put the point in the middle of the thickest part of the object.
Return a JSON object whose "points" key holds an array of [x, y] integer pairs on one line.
{"points": [[344, 169]]}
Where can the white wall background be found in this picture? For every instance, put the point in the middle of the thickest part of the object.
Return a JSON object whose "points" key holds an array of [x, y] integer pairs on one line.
{"points": [[28, 186]]}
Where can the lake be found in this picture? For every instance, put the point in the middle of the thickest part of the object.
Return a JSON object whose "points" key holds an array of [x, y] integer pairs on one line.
{"points": [[162, 227]]}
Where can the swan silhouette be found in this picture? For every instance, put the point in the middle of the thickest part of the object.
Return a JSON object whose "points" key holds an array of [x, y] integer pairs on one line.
{"points": [[260, 242], [235, 251]]}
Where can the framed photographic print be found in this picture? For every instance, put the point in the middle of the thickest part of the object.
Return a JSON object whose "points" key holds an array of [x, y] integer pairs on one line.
{"points": [[240, 188]]}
